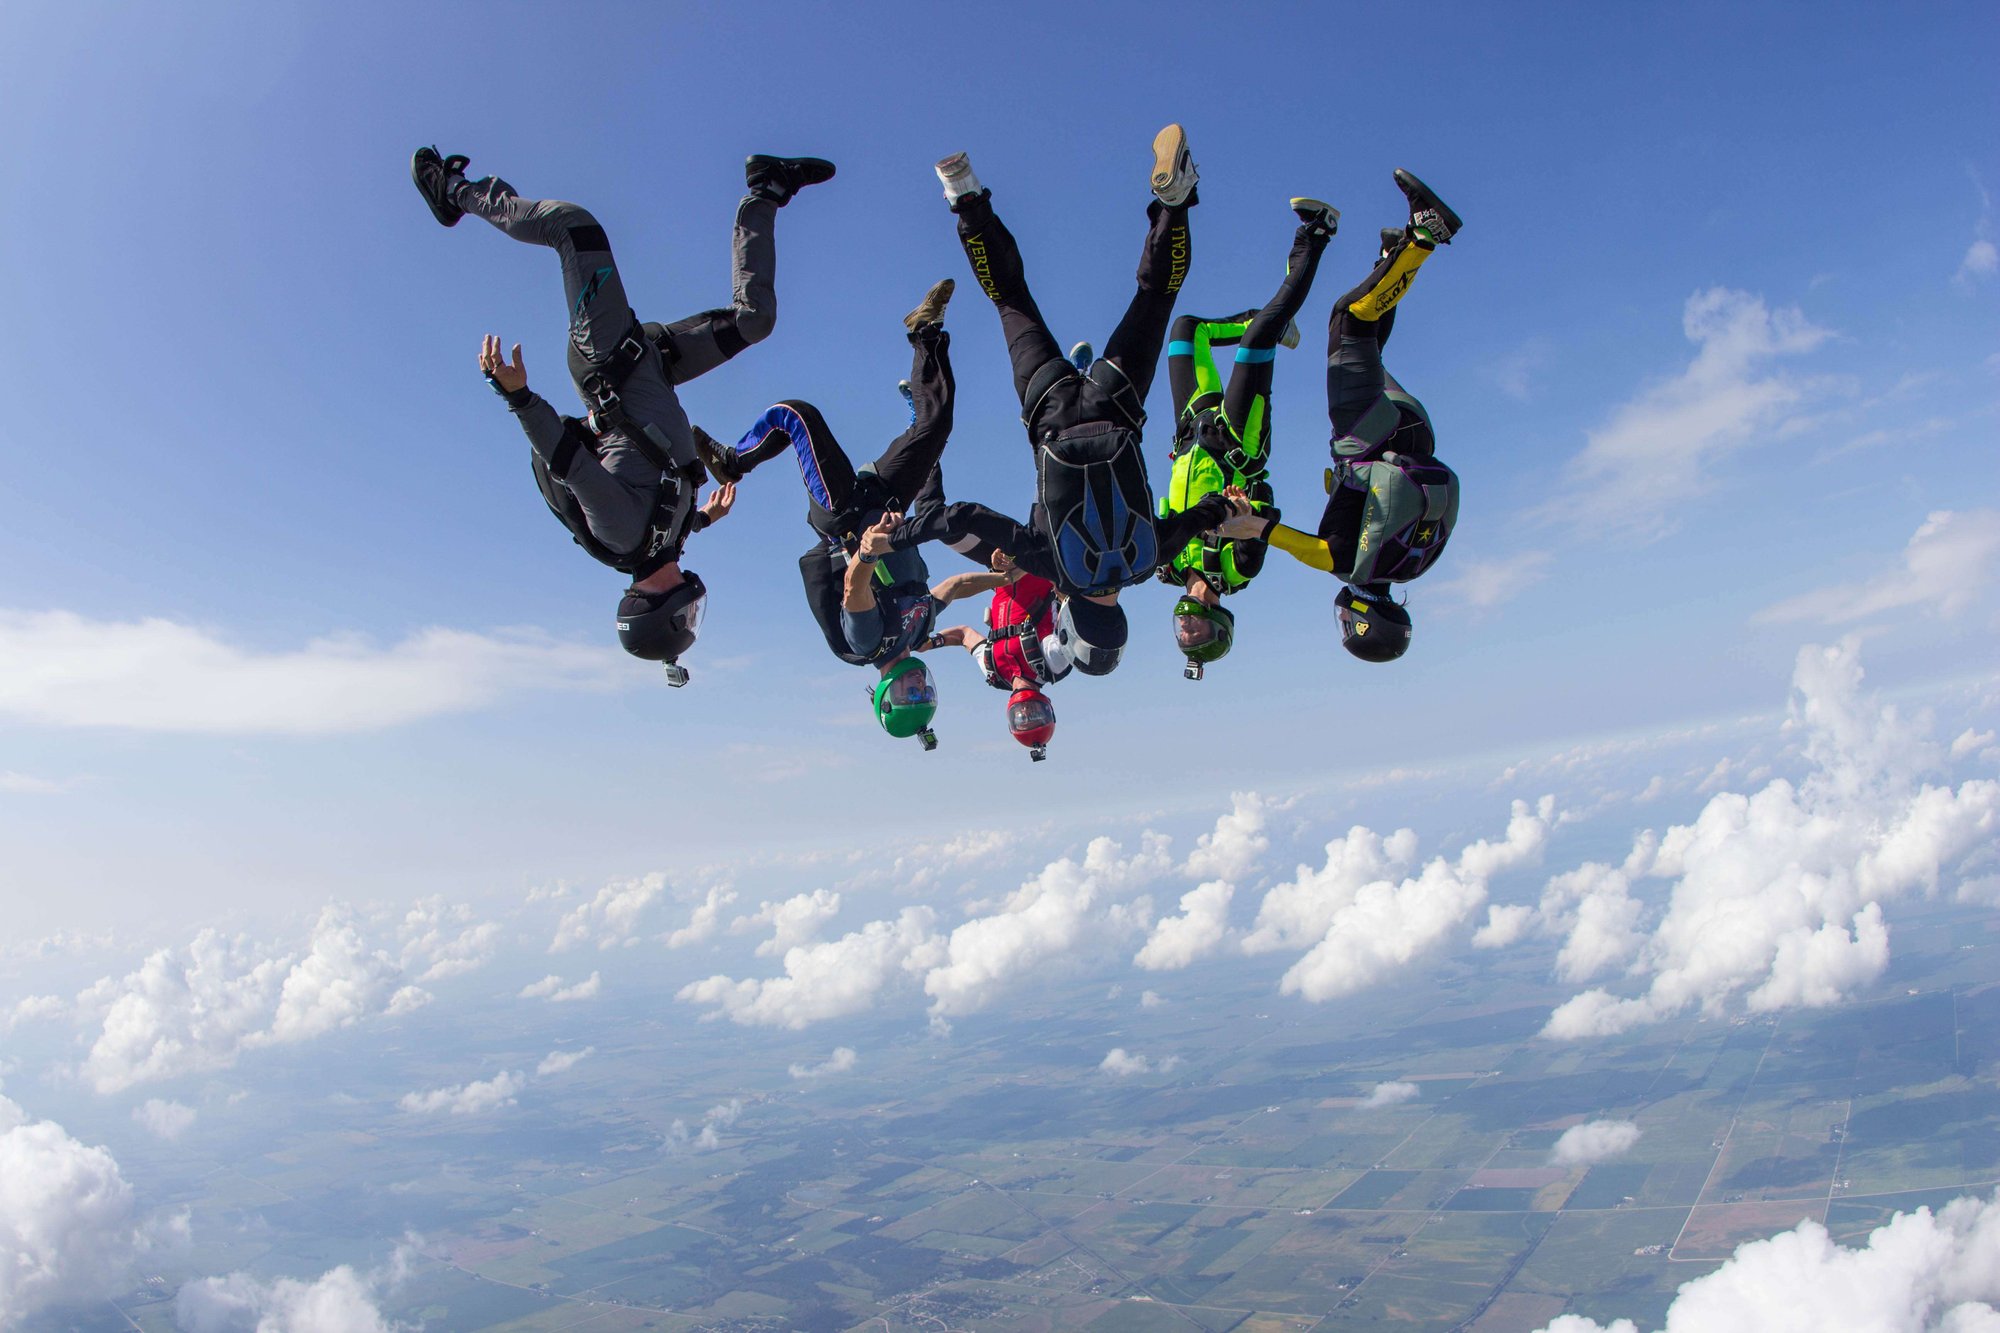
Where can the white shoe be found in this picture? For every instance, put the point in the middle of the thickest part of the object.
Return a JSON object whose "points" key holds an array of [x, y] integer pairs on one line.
{"points": [[955, 172], [1174, 173], [1290, 337]]}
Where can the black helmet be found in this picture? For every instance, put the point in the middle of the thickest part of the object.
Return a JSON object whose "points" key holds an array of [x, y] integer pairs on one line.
{"points": [[660, 626], [1093, 633], [1372, 626]]}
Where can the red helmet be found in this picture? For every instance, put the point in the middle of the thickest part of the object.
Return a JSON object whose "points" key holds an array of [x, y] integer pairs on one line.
{"points": [[1032, 719]]}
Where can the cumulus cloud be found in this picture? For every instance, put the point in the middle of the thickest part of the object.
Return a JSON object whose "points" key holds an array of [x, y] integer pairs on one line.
{"points": [[1946, 567], [67, 1231], [1505, 923], [441, 941], [829, 979], [199, 1008], [1177, 941], [164, 1119], [1777, 898], [1151, 999], [552, 989], [1121, 1063], [1237, 844], [842, 1060], [65, 670], [1373, 915], [1594, 1141], [340, 1300], [1388, 1094], [611, 918], [1655, 452], [557, 1062], [31, 1009], [1921, 1272], [704, 920], [467, 1098], [682, 1139], [792, 922], [1047, 918]]}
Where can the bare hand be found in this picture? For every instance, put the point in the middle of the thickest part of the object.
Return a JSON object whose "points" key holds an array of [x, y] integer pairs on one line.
{"points": [[1242, 525], [875, 541], [1004, 564], [719, 501], [1239, 500], [510, 378]]}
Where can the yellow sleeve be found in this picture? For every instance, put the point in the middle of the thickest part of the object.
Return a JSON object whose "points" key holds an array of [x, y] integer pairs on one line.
{"points": [[1302, 547]]}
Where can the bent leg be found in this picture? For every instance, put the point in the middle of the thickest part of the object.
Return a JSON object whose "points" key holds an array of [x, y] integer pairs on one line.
{"points": [[823, 464], [996, 264], [599, 313], [976, 532], [702, 342], [912, 457], [1134, 346]]}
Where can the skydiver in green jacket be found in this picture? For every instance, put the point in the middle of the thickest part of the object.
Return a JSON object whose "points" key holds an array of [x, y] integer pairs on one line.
{"points": [[1222, 439]]}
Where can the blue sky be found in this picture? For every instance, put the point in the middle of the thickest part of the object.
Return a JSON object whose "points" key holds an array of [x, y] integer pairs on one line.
{"points": [[1717, 344]]}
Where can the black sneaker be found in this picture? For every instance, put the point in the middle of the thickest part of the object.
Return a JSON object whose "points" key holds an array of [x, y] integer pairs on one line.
{"points": [[433, 174], [1392, 241], [1317, 214], [721, 460], [1427, 210], [779, 178]]}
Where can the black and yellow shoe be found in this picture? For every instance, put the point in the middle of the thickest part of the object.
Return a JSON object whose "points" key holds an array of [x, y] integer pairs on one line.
{"points": [[1428, 213]]}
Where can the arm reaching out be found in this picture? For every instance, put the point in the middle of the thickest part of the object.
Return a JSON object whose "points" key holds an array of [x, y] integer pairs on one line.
{"points": [[971, 584]]}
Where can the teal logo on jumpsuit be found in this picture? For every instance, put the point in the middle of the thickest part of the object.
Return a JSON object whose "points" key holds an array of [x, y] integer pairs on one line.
{"points": [[590, 291]]}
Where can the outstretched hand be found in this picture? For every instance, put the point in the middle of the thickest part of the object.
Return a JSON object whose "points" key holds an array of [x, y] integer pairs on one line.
{"points": [[719, 501], [1243, 520], [510, 379], [875, 541], [1004, 564]]}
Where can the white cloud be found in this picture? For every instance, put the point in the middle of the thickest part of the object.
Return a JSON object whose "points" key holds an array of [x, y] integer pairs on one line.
{"points": [[1965, 743], [829, 979], [1295, 915], [67, 1233], [1777, 896], [1388, 1094], [1653, 454], [1120, 1063], [1177, 941], [552, 989], [792, 922], [842, 1060], [557, 1062], [32, 1009], [466, 1099], [704, 920], [1151, 1000], [61, 669], [407, 1000], [440, 941], [1484, 584], [338, 1301], [1982, 260], [1050, 917], [716, 1119], [1504, 925], [1921, 1272], [163, 1119], [611, 918], [199, 1008], [1379, 926], [1594, 1141], [27, 784], [1238, 843], [1947, 566]]}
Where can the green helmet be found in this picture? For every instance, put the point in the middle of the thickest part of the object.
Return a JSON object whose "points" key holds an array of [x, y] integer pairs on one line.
{"points": [[1203, 632], [906, 701]]}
